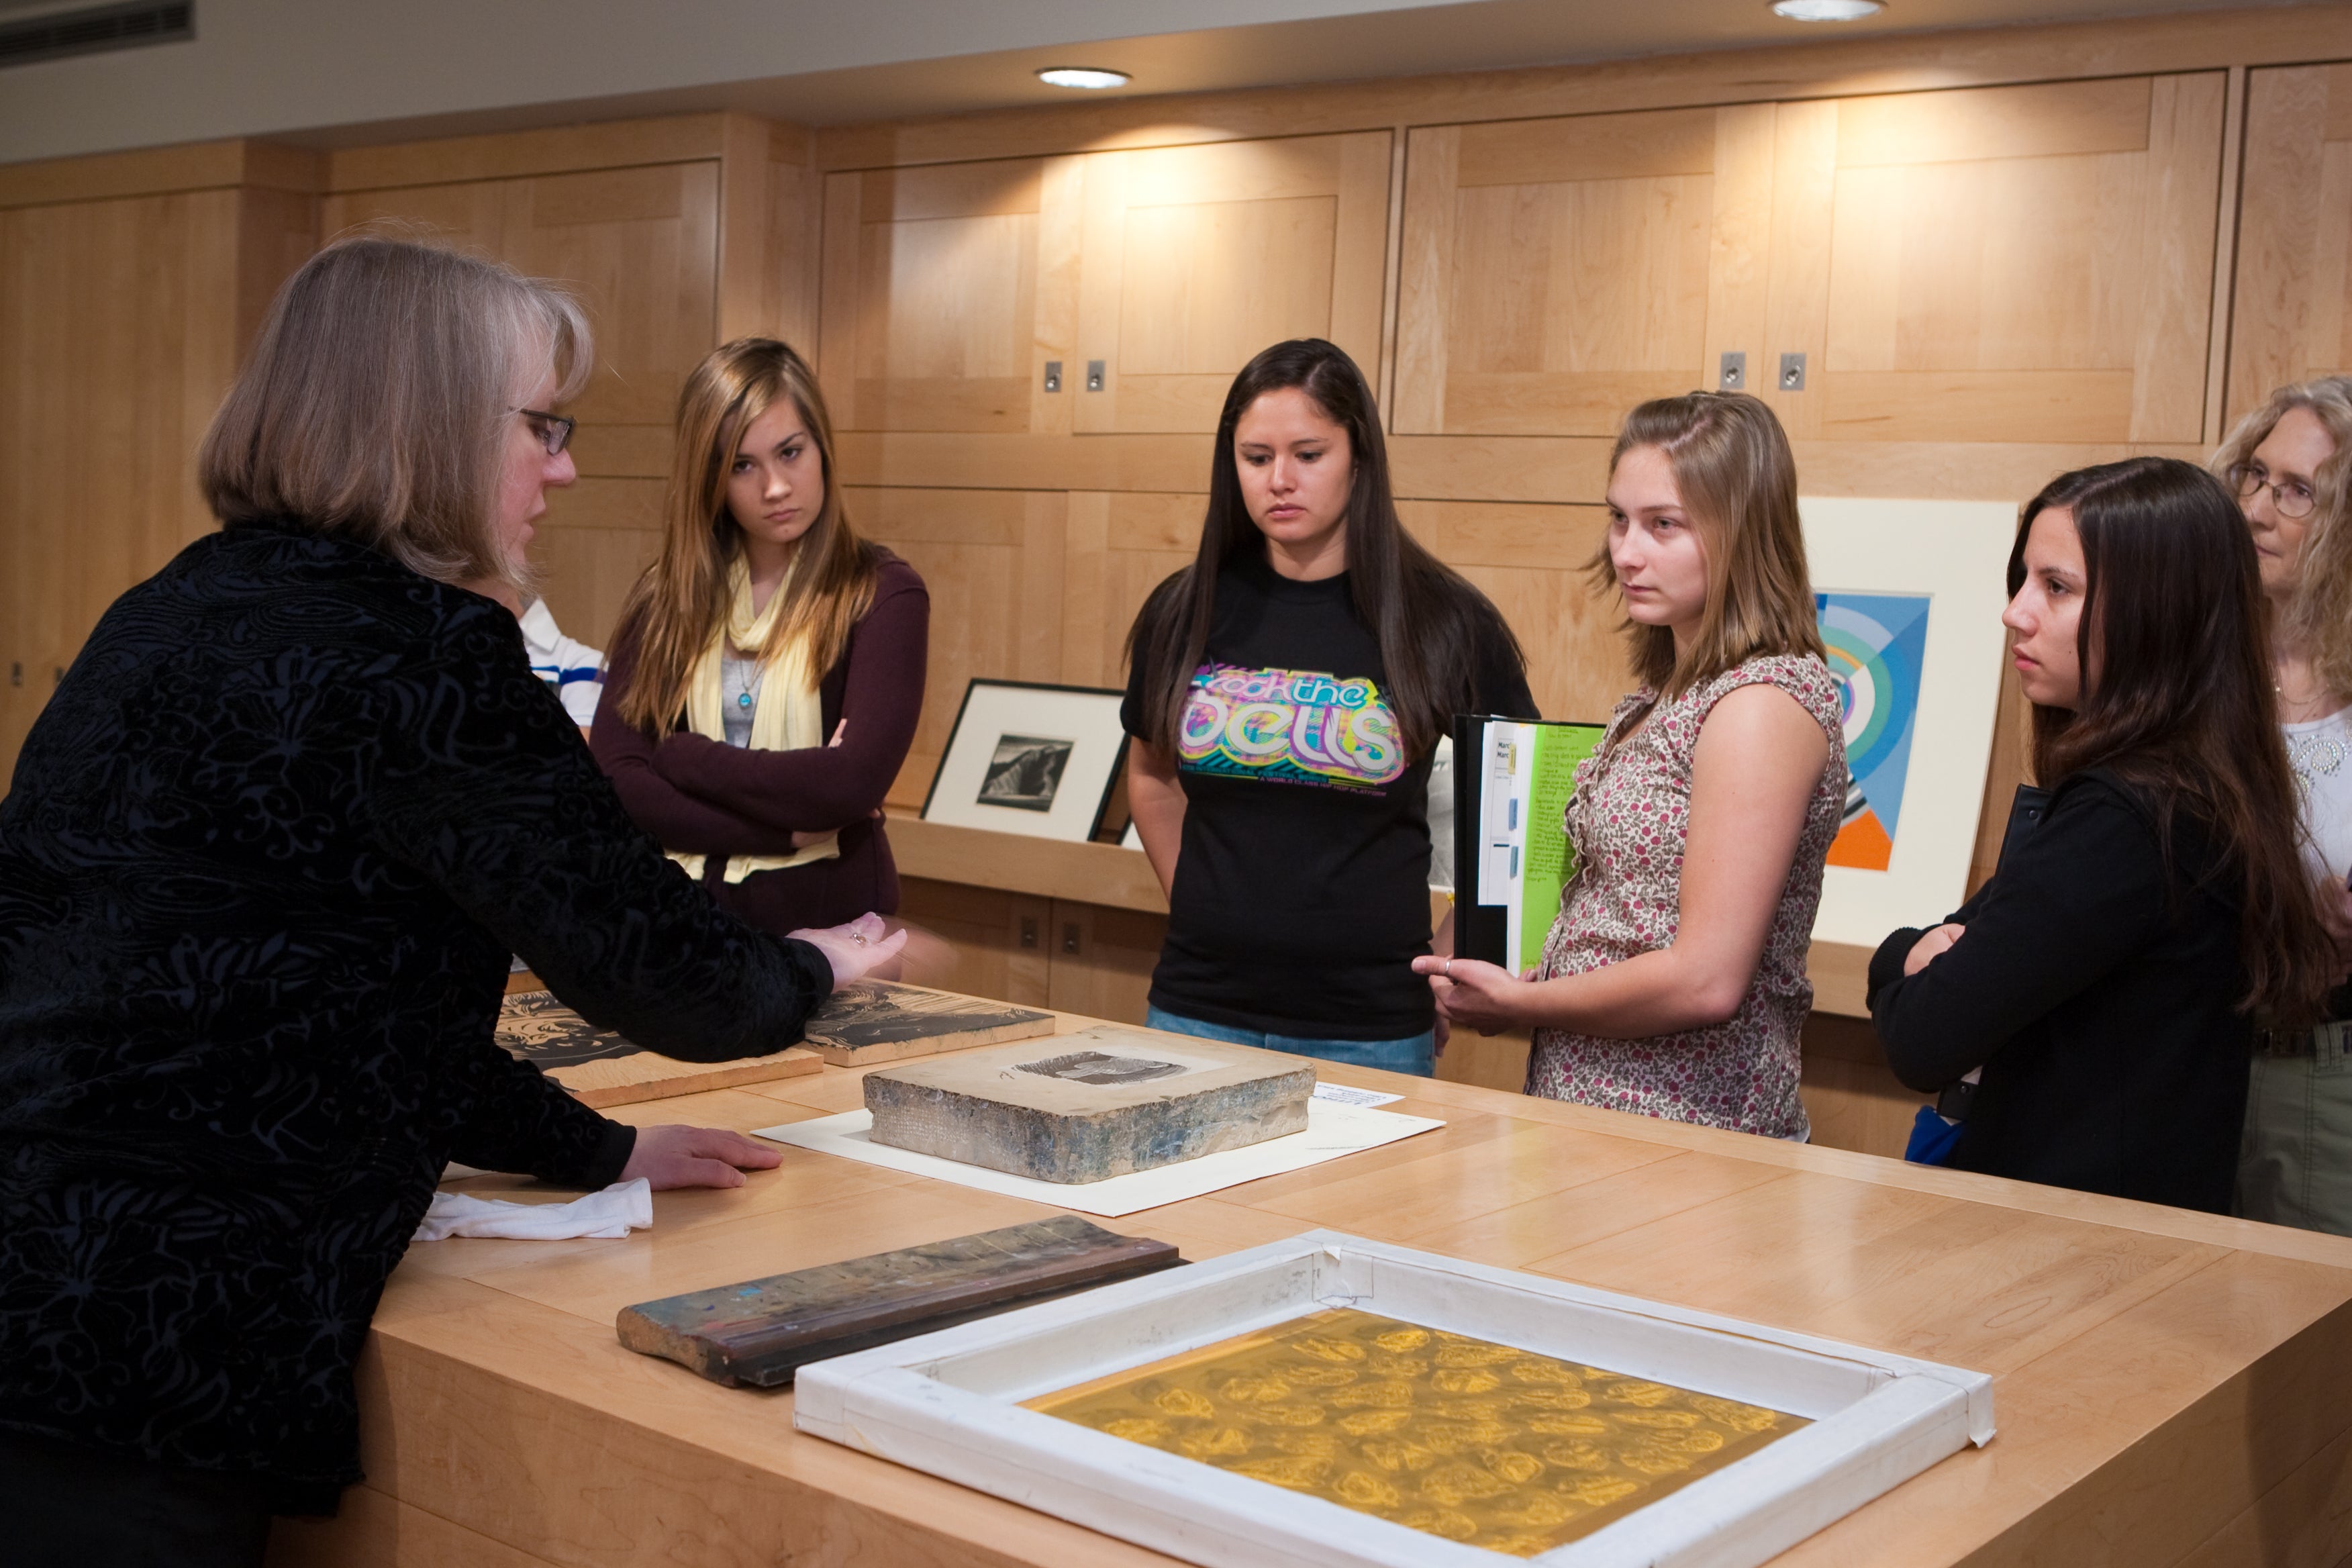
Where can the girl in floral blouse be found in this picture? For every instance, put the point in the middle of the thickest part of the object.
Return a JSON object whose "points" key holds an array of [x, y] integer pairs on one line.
{"points": [[1674, 982]]}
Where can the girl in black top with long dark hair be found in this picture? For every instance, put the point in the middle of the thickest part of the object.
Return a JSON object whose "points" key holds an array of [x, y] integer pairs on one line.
{"points": [[1286, 692], [2151, 905]]}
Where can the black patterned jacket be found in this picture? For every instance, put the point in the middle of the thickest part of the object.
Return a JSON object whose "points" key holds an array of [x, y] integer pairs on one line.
{"points": [[265, 856]]}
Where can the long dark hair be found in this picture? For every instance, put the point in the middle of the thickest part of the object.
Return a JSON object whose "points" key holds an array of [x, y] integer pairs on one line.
{"points": [[1429, 620], [2174, 619]]}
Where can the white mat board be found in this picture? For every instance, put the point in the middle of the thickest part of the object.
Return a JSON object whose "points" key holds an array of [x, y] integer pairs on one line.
{"points": [[1333, 1128], [1957, 554]]}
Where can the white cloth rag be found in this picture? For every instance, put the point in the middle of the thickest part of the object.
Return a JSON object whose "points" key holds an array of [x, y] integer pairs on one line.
{"points": [[620, 1208]]}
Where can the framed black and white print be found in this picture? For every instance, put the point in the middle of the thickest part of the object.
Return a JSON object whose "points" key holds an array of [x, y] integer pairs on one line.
{"points": [[1030, 759]]}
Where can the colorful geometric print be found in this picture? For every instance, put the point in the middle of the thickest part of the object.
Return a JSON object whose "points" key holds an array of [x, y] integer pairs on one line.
{"points": [[1289, 726], [1877, 646]]}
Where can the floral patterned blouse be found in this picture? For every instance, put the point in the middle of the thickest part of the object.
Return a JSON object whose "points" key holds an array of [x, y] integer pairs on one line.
{"points": [[1628, 816]]}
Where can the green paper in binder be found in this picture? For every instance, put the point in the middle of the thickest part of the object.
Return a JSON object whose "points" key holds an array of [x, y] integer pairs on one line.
{"points": [[1511, 853]]}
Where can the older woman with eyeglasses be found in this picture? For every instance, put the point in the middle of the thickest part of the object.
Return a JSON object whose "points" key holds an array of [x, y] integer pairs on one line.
{"points": [[265, 856], [2290, 462]]}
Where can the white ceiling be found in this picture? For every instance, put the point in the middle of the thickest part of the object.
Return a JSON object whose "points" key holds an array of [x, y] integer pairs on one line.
{"points": [[337, 72]]}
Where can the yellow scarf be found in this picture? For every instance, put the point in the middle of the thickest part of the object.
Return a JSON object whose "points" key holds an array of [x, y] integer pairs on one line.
{"points": [[786, 715]]}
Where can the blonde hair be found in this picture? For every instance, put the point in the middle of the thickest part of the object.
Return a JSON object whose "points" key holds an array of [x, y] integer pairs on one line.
{"points": [[679, 604], [2318, 617], [375, 405], [1738, 478]]}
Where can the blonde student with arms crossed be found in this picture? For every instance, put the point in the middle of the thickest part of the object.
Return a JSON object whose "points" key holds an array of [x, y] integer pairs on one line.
{"points": [[1674, 980], [768, 672]]}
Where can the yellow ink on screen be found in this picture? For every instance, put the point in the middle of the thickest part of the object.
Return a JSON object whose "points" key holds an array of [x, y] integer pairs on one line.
{"points": [[1462, 1437]]}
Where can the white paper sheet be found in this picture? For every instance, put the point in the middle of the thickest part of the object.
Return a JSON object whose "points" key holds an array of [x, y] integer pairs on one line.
{"points": [[1332, 1130]]}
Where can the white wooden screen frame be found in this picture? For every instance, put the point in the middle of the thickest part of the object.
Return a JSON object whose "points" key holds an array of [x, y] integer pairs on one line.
{"points": [[948, 1404]]}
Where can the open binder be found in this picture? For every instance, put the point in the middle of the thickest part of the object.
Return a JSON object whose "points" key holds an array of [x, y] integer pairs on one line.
{"points": [[1511, 854]]}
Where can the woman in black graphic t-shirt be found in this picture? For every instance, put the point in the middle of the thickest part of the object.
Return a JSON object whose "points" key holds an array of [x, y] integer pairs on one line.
{"points": [[1283, 696]]}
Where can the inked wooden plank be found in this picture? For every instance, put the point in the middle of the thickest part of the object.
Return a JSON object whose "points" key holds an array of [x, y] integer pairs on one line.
{"points": [[601, 1068], [883, 1021], [1092, 1105], [762, 1331]]}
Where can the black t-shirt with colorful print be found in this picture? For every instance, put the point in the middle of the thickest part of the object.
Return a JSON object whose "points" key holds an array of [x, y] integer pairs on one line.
{"points": [[1301, 894]]}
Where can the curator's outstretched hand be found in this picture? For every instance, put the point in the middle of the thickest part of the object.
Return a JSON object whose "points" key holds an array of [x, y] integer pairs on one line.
{"points": [[673, 1156], [865, 946]]}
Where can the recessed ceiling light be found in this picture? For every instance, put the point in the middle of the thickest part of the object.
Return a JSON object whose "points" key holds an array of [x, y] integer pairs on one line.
{"points": [[1826, 10], [1094, 80]]}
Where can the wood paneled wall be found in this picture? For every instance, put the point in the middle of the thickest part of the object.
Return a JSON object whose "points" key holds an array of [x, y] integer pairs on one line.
{"points": [[122, 317], [675, 233], [130, 288], [2002, 252]]}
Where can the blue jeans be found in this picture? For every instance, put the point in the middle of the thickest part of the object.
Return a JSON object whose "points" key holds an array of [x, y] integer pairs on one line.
{"points": [[1415, 1054]]}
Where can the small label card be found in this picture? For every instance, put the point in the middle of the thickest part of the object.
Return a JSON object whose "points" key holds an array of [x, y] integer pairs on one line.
{"points": [[1346, 1096]]}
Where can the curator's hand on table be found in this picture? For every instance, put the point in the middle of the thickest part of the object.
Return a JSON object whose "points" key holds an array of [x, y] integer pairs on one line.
{"points": [[673, 1156]]}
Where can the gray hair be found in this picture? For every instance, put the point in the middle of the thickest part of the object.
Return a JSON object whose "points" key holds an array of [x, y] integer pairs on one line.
{"points": [[375, 405], [2318, 618]]}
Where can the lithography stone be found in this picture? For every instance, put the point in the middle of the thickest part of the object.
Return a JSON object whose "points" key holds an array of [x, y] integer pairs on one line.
{"points": [[1085, 1106]]}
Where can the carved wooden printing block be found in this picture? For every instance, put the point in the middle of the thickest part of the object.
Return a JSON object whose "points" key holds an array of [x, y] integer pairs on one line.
{"points": [[1085, 1107], [762, 1331]]}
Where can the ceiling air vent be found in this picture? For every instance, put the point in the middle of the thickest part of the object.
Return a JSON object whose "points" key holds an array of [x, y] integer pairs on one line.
{"points": [[91, 31]]}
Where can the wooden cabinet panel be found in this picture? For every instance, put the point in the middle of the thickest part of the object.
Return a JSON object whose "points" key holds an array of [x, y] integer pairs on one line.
{"points": [[639, 246], [1530, 561], [2000, 264], [121, 325], [1102, 960], [1194, 258], [1557, 272], [2015, 264], [2292, 315], [1000, 939], [992, 562], [1122, 545], [946, 291]]}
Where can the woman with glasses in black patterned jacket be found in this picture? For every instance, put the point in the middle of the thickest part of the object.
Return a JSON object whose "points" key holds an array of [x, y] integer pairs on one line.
{"points": [[264, 861]]}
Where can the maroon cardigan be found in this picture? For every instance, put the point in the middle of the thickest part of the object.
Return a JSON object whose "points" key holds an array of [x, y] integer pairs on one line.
{"points": [[706, 797]]}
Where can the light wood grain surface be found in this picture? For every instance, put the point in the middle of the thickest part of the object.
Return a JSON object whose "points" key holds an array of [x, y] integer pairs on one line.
{"points": [[2172, 1388]]}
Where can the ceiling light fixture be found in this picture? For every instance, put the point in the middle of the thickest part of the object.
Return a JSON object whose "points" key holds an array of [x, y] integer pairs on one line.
{"points": [[1081, 77], [1827, 10]]}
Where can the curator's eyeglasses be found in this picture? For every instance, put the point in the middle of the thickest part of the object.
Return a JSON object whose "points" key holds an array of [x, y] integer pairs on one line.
{"points": [[553, 430], [2291, 498]]}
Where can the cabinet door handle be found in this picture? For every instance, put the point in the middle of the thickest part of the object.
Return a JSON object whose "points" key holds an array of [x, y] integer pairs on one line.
{"points": [[1070, 936], [1029, 930]]}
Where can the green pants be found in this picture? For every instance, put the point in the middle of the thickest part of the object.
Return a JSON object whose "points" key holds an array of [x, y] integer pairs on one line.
{"points": [[2296, 1165]]}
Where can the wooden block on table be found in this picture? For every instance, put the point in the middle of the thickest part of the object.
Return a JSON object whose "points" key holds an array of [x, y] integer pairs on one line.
{"points": [[761, 1331], [871, 1021], [601, 1068], [1085, 1106]]}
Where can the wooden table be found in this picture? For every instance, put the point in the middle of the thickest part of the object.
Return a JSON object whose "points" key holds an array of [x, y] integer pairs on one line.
{"points": [[2172, 1388]]}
